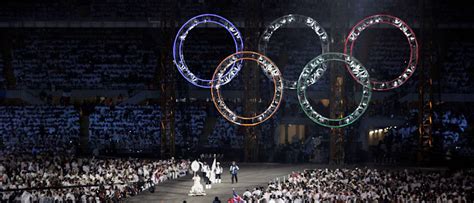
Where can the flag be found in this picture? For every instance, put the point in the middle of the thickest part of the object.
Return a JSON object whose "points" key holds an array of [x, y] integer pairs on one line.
{"points": [[214, 165], [236, 198], [213, 171]]}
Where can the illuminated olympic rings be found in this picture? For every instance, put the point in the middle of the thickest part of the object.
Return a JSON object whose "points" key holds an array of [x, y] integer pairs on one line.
{"points": [[409, 34], [315, 69], [312, 71], [288, 19], [181, 37], [218, 80]]}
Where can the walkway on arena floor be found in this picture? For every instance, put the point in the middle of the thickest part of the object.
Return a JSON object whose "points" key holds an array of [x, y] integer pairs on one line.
{"points": [[250, 176]]}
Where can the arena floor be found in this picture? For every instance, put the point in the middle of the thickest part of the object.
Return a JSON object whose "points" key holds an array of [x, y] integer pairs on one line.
{"points": [[250, 175]]}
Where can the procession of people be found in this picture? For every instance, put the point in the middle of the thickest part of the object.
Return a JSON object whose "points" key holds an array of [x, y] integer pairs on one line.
{"points": [[210, 170]]}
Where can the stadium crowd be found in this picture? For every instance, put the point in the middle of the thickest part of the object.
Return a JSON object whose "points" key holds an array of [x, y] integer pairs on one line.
{"points": [[225, 135], [457, 66], [66, 178], [117, 59], [450, 136], [38, 128], [38, 160], [367, 185], [129, 128], [83, 59], [189, 123], [38, 143], [136, 128]]}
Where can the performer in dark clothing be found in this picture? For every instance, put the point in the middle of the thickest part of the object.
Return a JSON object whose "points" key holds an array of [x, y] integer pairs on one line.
{"points": [[234, 169], [206, 173]]}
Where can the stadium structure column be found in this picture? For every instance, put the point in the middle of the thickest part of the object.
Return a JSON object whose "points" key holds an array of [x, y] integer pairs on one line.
{"points": [[253, 21], [425, 86], [166, 82], [337, 104]]}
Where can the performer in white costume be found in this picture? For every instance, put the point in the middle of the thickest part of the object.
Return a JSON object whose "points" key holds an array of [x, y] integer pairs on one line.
{"points": [[197, 189], [218, 172]]}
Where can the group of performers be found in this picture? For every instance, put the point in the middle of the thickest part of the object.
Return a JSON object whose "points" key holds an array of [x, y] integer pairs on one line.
{"points": [[211, 174], [211, 171]]}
